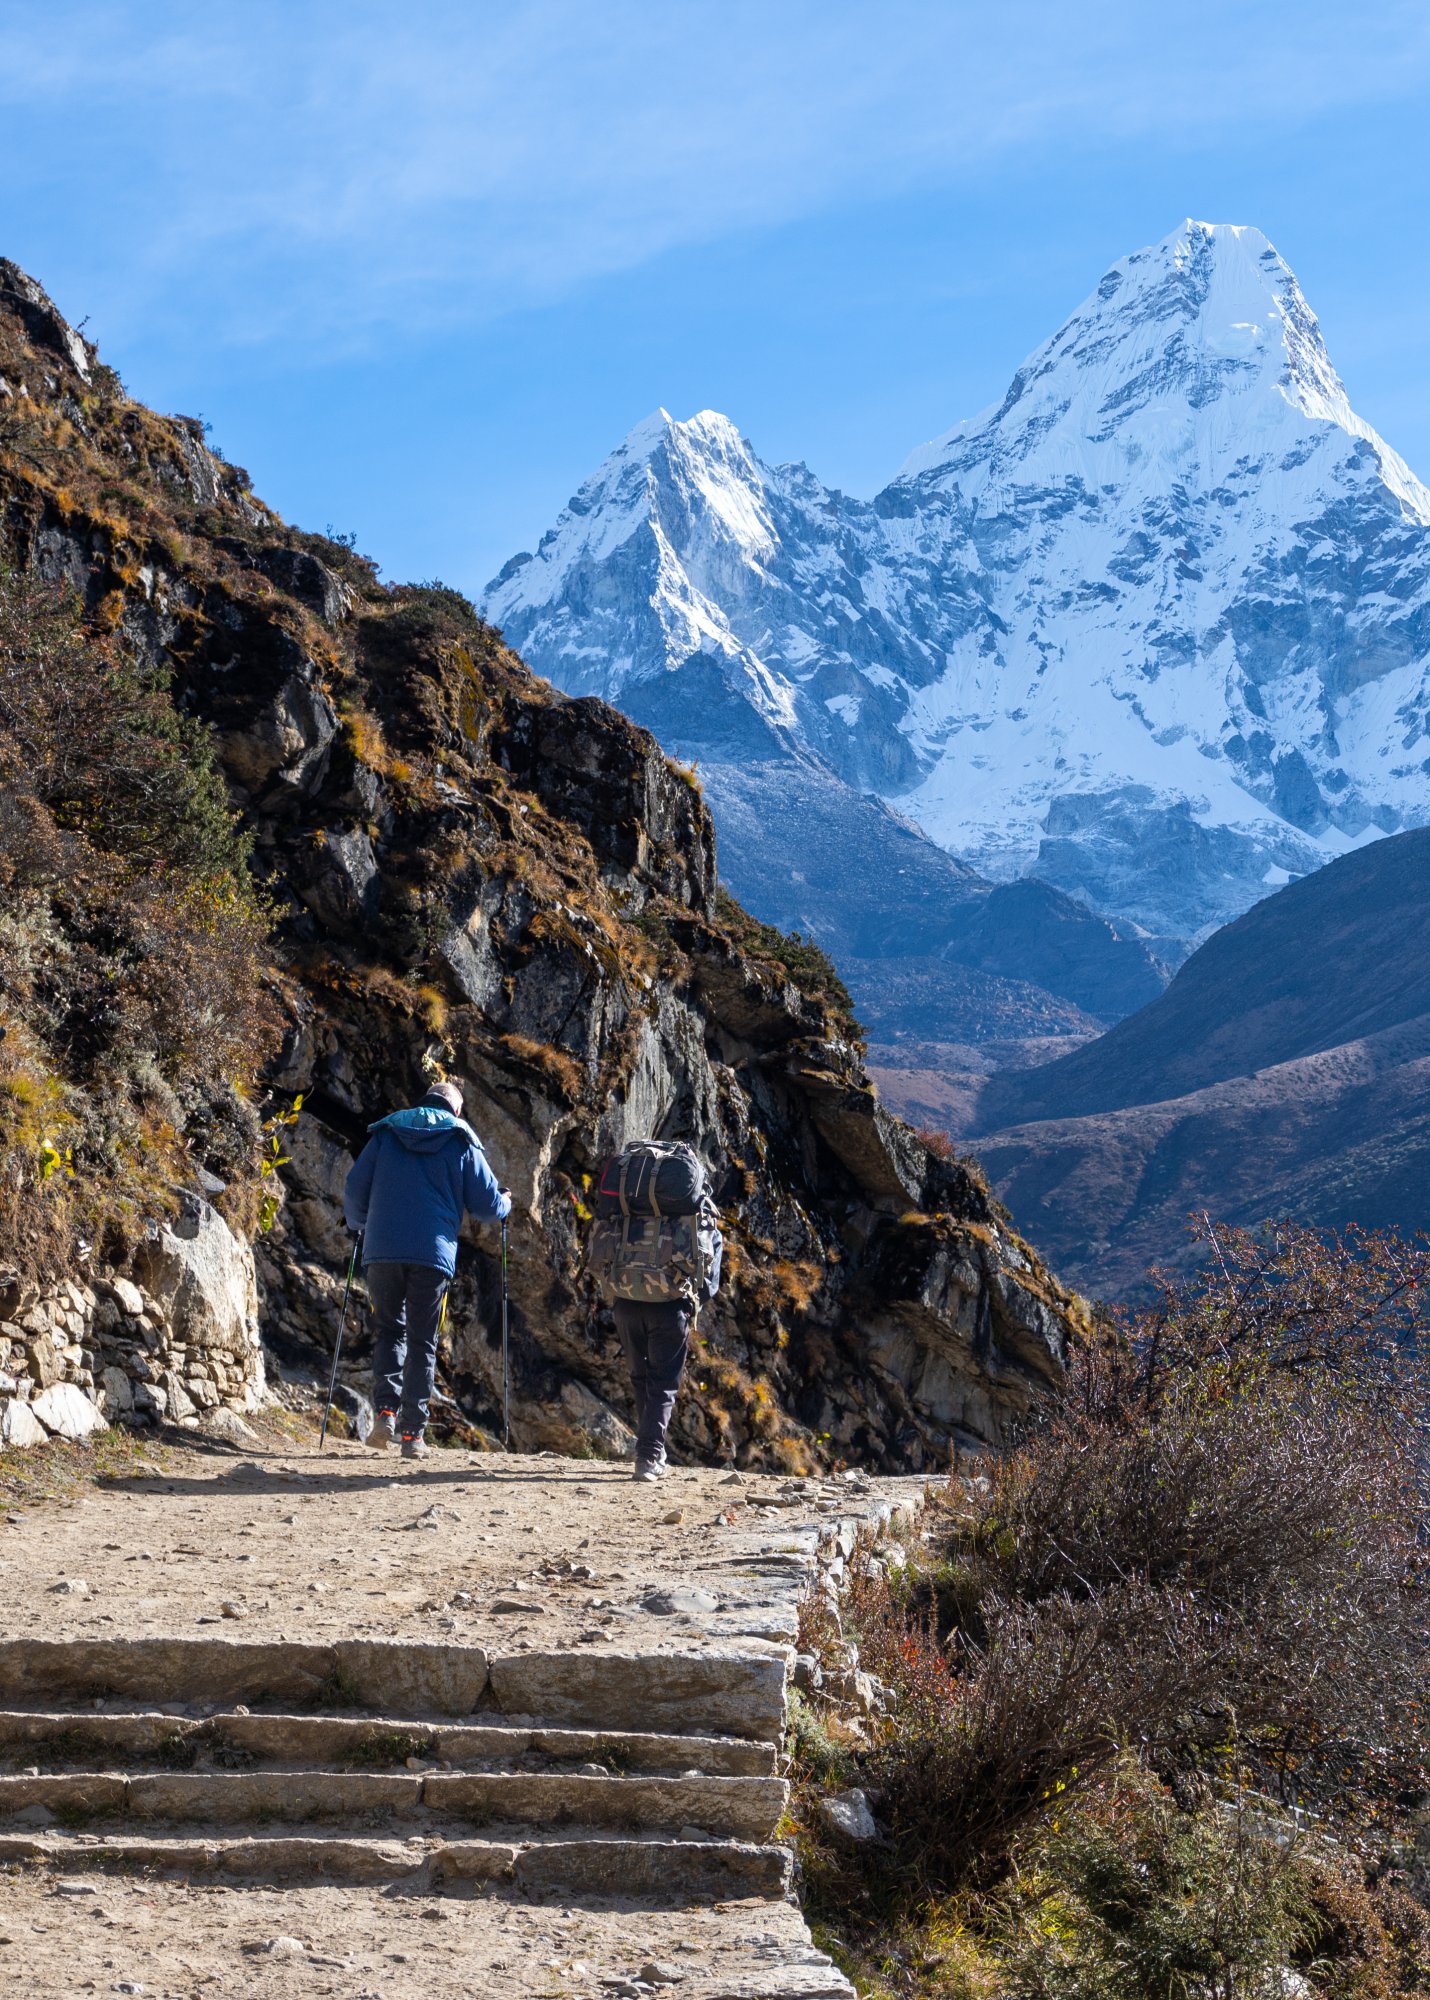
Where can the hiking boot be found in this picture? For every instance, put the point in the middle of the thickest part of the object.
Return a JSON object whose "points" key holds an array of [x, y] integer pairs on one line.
{"points": [[416, 1447], [648, 1470], [383, 1435]]}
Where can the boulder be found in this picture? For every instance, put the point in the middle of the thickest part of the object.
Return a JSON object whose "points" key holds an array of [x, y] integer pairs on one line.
{"points": [[179, 1403], [288, 741], [343, 886], [597, 1421], [18, 1427], [848, 1813], [126, 1295], [118, 1395], [67, 1412], [228, 1428], [43, 1361], [309, 580], [202, 1277]]}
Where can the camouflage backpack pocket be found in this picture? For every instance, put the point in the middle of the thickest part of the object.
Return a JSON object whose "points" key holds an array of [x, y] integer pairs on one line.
{"points": [[649, 1259]]}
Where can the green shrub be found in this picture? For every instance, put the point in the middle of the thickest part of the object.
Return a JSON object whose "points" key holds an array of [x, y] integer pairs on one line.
{"points": [[95, 738], [1128, 1896], [134, 1008]]}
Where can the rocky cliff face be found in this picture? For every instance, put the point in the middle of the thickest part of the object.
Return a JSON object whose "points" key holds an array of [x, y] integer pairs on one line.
{"points": [[1154, 628], [471, 870]]}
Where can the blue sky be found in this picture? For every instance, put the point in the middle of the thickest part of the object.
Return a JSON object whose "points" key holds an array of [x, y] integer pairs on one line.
{"points": [[422, 266]]}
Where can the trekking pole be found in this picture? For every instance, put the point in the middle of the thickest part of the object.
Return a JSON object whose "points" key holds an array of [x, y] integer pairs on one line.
{"points": [[505, 1352], [337, 1351]]}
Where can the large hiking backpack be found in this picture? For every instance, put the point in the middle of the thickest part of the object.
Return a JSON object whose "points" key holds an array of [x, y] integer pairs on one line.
{"points": [[653, 1239]]}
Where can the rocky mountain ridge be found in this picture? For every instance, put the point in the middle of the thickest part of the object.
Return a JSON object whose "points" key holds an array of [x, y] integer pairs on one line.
{"points": [[1152, 630], [468, 869]]}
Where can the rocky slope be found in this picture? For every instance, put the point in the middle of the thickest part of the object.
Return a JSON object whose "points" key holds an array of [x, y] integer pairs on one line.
{"points": [[1285, 1072], [1153, 629], [466, 868]]}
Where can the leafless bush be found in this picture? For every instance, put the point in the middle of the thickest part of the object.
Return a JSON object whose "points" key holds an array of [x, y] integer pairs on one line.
{"points": [[1283, 1303], [1218, 1540]]}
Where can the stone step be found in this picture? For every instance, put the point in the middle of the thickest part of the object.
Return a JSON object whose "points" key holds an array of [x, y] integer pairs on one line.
{"points": [[739, 1808], [675, 1872], [688, 1693], [104, 1739], [159, 1771]]}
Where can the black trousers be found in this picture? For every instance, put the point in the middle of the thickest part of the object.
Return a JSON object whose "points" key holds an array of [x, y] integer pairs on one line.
{"points": [[657, 1341], [407, 1305]]}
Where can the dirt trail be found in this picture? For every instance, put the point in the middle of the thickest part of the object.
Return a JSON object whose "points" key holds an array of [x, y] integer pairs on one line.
{"points": [[280, 1541], [170, 1939], [511, 1553]]}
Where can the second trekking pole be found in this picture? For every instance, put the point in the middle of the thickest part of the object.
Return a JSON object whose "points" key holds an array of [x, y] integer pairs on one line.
{"points": [[337, 1351], [505, 1350]]}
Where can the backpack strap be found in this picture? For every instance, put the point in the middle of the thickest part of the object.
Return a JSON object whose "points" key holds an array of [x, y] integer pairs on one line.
{"points": [[625, 1202]]}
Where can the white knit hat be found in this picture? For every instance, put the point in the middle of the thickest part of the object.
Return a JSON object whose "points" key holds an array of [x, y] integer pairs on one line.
{"points": [[450, 1096]]}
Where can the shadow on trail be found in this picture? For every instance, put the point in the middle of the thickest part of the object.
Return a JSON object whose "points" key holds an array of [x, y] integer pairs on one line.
{"points": [[251, 1476]]}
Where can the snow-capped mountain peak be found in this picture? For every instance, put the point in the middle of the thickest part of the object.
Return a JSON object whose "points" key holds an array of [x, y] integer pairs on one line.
{"points": [[630, 583], [701, 466], [1180, 352], [1156, 626]]}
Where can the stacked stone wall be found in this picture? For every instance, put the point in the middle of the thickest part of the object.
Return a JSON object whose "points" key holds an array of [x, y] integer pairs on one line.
{"points": [[103, 1348]]}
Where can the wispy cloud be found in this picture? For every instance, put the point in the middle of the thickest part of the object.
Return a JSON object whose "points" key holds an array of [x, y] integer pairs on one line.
{"points": [[309, 171]]}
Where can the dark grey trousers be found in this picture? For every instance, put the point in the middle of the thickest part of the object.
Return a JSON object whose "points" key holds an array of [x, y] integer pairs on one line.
{"points": [[407, 1305], [656, 1340]]}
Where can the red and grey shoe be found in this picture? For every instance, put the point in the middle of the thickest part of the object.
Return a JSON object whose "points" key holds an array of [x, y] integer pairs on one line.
{"points": [[416, 1446], [383, 1435]]}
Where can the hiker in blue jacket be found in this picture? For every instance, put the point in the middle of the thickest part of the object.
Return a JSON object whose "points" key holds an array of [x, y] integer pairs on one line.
{"points": [[418, 1175]]}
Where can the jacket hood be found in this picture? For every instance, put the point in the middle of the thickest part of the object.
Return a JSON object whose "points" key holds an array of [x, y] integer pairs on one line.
{"points": [[425, 1128]]}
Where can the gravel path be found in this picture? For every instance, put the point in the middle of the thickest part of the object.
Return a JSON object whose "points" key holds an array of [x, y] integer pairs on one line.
{"points": [[506, 1551], [171, 1941], [273, 1540]]}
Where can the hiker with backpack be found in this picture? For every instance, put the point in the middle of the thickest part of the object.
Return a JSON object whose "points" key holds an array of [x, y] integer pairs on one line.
{"points": [[407, 1192], [655, 1255]]}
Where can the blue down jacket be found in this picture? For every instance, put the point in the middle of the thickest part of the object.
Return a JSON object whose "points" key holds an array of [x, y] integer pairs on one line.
{"points": [[411, 1184]]}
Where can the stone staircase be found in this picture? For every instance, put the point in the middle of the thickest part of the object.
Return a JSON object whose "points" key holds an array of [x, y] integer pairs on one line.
{"points": [[377, 1761]]}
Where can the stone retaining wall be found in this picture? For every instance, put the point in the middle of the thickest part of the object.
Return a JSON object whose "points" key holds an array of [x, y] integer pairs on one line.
{"points": [[102, 1348]]}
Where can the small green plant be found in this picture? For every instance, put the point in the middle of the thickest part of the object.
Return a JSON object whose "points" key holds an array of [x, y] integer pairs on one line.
{"points": [[272, 1160], [813, 1747], [383, 1749], [177, 1752], [339, 1690]]}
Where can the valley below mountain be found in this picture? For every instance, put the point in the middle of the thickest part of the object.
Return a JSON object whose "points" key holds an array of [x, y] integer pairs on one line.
{"points": [[1285, 1073]]}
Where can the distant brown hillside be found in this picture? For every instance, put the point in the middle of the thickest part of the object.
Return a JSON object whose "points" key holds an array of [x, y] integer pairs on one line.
{"points": [[1285, 1071]]}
